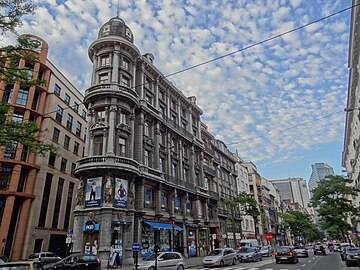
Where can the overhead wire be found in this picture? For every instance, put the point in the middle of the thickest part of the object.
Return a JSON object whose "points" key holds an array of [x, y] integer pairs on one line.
{"points": [[237, 51]]}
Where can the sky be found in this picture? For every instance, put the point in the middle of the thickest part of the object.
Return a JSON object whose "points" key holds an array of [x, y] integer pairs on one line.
{"points": [[279, 104]]}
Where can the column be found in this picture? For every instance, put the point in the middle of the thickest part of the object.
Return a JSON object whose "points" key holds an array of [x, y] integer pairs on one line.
{"points": [[111, 137], [138, 133], [131, 136], [157, 145], [115, 65], [192, 176], [9, 204], [105, 235], [23, 217], [156, 89], [158, 199], [133, 81], [202, 169], [181, 164], [169, 164], [89, 118], [94, 79]]}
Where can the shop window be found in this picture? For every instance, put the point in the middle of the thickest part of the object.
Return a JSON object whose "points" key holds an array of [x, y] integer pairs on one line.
{"points": [[149, 198]]}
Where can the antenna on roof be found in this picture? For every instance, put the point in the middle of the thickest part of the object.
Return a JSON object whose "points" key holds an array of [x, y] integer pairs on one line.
{"points": [[118, 8]]}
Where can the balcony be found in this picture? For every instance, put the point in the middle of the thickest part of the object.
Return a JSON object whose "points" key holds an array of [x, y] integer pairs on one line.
{"points": [[106, 162], [111, 89], [214, 195], [209, 170]]}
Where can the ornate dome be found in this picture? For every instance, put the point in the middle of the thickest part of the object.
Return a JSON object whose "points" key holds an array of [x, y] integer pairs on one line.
{"points": [[116, 27]]}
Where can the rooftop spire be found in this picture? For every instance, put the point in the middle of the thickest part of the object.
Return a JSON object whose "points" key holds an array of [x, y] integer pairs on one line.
{"points": [[118, 9]]}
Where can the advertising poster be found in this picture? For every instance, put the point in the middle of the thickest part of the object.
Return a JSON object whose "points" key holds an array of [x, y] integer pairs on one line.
{"points": [[93, 192], [121, 193]]}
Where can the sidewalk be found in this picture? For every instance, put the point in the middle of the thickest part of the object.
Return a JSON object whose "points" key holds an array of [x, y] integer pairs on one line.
{"points": [[189, 263]]}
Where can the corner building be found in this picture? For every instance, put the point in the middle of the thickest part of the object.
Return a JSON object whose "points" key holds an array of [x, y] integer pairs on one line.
{"points": [[141, 177]]}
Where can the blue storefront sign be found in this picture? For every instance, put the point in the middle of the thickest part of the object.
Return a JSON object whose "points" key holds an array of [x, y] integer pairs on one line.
{"points": [[90, 226]]}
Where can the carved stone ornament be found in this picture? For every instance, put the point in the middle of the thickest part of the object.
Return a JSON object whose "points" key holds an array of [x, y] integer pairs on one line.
{"points": [[131, 196], [80, 194], [109, 194]]}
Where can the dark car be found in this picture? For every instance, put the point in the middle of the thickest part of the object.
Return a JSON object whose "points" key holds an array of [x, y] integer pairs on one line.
{"points": [[76, 261], [286, 254], [301, 251], [249, 254], [319, 249], [352, 254]]}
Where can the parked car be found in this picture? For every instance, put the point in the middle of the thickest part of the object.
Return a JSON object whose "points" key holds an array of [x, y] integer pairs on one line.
{"points": [[352, 254], [345, 250], [44, 257], [301, 252], [266, 251], [4, 258], [24, 265], [319, 249], [337, 247], [76, 261], [249, 254], [165, 260], [286, 254], [220, 257]]}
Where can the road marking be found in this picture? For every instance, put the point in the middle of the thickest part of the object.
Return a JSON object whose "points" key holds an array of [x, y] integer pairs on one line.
{"points": [[304, 265]]}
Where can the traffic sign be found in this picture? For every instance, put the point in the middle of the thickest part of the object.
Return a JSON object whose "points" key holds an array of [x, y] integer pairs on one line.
{"points": [[269, 236], [135, 246]]}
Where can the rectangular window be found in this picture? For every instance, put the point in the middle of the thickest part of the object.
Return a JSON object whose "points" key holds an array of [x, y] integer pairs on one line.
{"points": [[66, 142], [8, 94], [146, 158], [103, 78], [125, 80], [149, 197], [22, 97], [123, 118], [146, 129], [98, 145], [69, 121], [100, 116], [58, 203], [164, 200], [161, 164], [76, 106], [83, 114], [52, 158], [122, 144], [68, 205], [73, 166], [18, 116], [76, 148], [59, 114], [105, 60], [57, 89], [173, 169], [78, 128], [63, 164], [10, 151], [45, 200], [56, 135], [125, 64], [67, 99]]}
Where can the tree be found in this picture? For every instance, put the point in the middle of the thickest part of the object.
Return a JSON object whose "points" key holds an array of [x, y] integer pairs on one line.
{"points": [[300, 224], [331, 203], [27, 133], [11, 13], [250, 208]]}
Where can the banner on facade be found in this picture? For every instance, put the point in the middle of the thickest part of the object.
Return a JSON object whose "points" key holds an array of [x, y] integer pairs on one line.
{"points": [[93, 192], [121, 193]]}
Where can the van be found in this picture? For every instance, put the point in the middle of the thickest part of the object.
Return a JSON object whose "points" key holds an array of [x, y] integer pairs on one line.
{"points": [[249, 243]]}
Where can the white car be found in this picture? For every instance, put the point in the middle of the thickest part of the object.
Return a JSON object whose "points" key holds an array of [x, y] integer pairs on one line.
{"points": [[165, 261], [220, 257]]}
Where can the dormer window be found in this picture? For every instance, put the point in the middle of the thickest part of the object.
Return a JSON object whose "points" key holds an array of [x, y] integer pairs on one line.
{"points": [[106, 30]]}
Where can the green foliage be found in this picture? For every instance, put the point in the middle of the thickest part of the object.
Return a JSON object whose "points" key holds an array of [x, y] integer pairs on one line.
{"points": [[11, 13], [26, 133], [330, 198]]}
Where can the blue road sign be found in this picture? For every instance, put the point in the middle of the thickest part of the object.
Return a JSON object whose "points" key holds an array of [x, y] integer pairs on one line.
{"points": [[135, 246]]}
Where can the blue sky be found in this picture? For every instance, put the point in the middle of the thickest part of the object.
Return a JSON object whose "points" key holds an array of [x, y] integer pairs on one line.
{"points": [[263, 101]]}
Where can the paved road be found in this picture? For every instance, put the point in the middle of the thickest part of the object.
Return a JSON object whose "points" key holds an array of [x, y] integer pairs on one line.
{"points": [[331, 261]]}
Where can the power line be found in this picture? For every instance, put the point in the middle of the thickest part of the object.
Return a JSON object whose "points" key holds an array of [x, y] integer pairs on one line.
{"points": [[285, 129], [261, 42]]}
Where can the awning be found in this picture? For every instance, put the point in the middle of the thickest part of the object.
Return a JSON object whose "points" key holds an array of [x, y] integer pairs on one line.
{"points": [[162, 226]]}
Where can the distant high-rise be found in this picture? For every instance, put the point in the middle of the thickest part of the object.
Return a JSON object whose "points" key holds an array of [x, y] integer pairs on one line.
{"points": [[319, 172], [293, 189]]}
